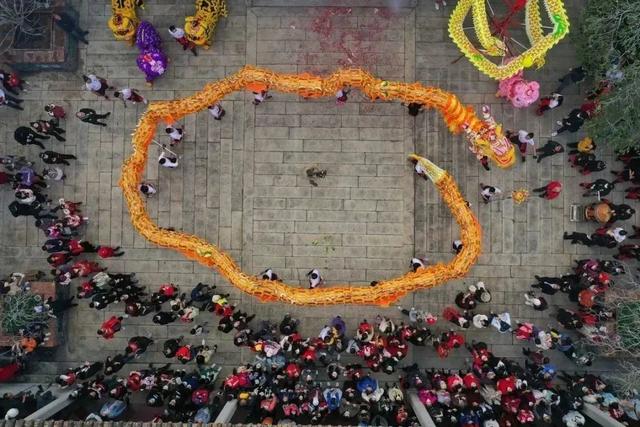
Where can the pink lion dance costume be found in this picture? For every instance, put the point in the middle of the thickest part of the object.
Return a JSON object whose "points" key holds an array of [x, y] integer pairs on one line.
{"points": [[151, 60], [520, 92]]}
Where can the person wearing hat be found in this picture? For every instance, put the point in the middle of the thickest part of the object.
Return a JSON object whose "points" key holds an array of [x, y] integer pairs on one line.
{"points": [[269, 274], [175, 133], [11, 414], [315, 279], [489, 193], [168, 160], [480, 292], [418, 263]]}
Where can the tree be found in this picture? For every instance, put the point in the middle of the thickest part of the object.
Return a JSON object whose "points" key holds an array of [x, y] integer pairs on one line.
{"points": [[609, 36], [19, 311], [626, 379], [17, 15], [621, 337]]}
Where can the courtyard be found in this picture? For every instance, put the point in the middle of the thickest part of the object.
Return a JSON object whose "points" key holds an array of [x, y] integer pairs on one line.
{"points": [[242, 183]]}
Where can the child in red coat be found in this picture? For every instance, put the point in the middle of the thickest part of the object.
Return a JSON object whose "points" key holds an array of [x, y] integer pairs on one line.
{"points": [[109, 252], [549, 191], [110, 327]]}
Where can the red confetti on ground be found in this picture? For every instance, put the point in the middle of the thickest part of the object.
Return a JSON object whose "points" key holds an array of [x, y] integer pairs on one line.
{"points": [[353, 43]]}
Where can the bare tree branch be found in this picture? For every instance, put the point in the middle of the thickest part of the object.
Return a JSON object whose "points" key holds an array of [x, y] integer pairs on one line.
{"points": [[17, 15]]}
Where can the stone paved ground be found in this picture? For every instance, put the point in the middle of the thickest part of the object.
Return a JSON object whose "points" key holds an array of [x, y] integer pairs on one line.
{"points": [[242, 183]]}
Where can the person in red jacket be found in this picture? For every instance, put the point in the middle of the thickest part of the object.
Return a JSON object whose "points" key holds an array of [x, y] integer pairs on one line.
{"points": [[8, 372], [77, 247], [59, 258], [109, 252], [86, 290], [633, 193], [453, 339], [138, 345], [55, 111], [470, 381], [84, 268], [110, 327], [506, 385], [549, 191], [184, 354]]}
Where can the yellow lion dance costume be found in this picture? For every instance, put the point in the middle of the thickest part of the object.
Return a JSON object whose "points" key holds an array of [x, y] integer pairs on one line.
{"points": [[200, 28], [124, 21]]}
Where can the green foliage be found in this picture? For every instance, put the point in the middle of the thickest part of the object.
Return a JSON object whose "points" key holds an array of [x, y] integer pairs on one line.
{"points": [[628, 325], [18, 311], [610, 31]]}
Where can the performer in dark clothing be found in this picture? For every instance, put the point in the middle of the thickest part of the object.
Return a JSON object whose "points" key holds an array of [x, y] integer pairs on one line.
{"points": [[51, 157], [573, 122], [25, 136], [90, 116], [69, 26], [549, 149]]}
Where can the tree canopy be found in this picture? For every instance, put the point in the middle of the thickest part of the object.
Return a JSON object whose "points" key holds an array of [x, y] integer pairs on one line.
{"points": [[610, 34]]}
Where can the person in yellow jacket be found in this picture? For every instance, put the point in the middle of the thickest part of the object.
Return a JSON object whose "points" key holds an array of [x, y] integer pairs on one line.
{"points": [[585, 146]]}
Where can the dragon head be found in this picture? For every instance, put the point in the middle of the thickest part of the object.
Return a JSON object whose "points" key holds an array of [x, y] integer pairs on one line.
{"points": [[487, 139]]}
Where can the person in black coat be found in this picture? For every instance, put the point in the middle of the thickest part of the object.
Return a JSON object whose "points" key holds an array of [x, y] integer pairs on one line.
{"points": [[70, 26], [60, 305], [601, 186], [225, 324], [568, 319], [588, 166], [549, 149], [10, 101], [171, 346], [573, 122], [548, 285], [574, 76], [35, 210], [89, 115], [138, 345], [48, 127], [414, 108], [164, 318], [115, 363], [55, 245], [621, 212], [581, 238], [52, 158], [102, 300], [25, 136], [288, 325], [603, 240], [630, 173], [465, 300]]}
